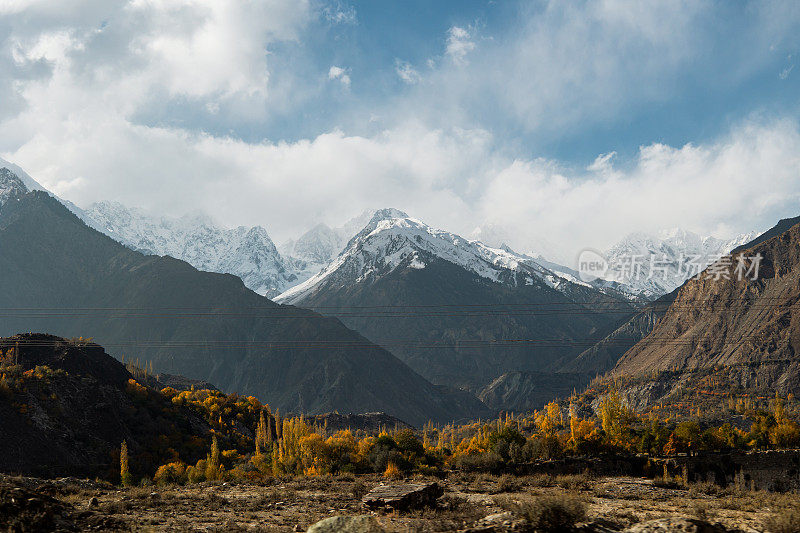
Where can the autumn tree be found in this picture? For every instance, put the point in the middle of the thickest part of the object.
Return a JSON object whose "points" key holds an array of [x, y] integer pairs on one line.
{"points": [[261, 434], [213, 461], [615, 418], [125, 474]]}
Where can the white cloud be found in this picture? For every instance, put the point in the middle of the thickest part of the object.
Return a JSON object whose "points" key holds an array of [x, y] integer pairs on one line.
{"points": [[81, 75], [565, 66], [785, 72], [742, 182], [122, 57], [406, 72], [341, 74], [602, 163], [339, 13], [453, 179], [459, 44]]}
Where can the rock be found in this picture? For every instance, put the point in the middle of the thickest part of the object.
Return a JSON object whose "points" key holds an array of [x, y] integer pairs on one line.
{"points": [[405, 496], [93, 502], [671, 525], [347, 524], [504, 521], [598, 525], [498, 519]]}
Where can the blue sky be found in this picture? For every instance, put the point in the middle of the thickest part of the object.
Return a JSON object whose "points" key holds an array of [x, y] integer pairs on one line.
{"points": [[524, 119]]}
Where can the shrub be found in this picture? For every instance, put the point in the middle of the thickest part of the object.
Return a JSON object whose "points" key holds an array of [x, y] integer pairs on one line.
{"points": [[549, 513], [573, 481], [784, 522], [392, 472], [359, 490], [704, 488], [170, 473], [507, 483], [484, 462]]}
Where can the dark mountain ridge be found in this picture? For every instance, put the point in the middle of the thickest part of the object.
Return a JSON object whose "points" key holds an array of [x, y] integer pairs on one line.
{"points": [[60, 276], [66, 406]]}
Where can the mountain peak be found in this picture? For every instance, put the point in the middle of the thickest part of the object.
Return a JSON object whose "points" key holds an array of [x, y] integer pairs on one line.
{"points": [[392, 240], [675, 250], [387, 213], [11, 186]]}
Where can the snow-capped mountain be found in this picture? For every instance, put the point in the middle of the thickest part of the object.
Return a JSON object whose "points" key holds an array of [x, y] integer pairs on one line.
{"points": [[392, 238], [31, 184], [17, 172], [246, 252], [436, 289], [654, 265], [320, 245], [10, 186]]}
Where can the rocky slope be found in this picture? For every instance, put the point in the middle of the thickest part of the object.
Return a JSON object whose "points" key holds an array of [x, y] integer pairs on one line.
{"points": [[60, 276], [744, 331], [459, 312], [602, 356], [31, 184], [11, 188], [526, 391]]}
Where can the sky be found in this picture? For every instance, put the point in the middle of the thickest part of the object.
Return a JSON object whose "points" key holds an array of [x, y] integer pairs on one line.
{"points": [[549, 125]]}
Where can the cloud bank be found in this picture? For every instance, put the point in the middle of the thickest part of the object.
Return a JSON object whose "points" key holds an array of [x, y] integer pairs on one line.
{"points": [[89, 95]]}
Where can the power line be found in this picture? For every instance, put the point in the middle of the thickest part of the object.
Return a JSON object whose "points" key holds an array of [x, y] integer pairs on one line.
{"points": [[328, 344], [293, 314], [601, 304]]}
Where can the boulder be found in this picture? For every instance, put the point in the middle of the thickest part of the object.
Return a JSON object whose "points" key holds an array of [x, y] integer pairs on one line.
{"points": [[346, 524], [402, 497]]}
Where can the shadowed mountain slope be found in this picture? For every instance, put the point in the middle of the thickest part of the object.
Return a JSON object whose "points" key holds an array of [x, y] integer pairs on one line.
{"points": [[60, 276]]}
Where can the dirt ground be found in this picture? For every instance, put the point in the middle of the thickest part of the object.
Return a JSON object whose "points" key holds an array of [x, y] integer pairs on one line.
{"points": [[29, 504]]}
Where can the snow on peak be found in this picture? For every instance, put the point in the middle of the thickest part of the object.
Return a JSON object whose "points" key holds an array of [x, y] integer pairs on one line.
{"points": [[11, 186], [387, 213], [30, 183], [392, 239], [246, 252], [654, 265]]}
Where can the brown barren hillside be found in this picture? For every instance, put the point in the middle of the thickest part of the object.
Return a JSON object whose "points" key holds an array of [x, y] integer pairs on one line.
{"points": [[749, 328]]}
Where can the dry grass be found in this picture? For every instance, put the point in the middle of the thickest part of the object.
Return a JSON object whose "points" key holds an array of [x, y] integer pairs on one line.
{"points": [[785, 522], [546, 502], [552, 512], [508, 483]]}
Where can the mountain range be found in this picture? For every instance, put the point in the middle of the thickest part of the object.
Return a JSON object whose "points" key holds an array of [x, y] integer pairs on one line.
{"points": [[513, 328], [60, 276], [651, 266], [246, 252]]}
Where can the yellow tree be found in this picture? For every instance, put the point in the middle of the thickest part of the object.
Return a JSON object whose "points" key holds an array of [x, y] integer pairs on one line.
{"points": [[549, 419], [615, 417], [261, 434], [212, 463], [125, 474]]}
